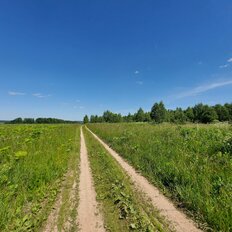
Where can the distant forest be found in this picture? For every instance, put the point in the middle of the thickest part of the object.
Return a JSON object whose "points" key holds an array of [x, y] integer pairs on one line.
{"points": [[39, 121], [200, 113]]}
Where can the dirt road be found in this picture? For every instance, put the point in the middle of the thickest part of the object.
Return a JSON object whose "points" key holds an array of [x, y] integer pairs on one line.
{"points": [[90, 219], [177, 219]]}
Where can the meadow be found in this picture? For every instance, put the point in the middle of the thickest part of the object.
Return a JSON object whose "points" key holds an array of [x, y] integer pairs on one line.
{"points": [[33, 162], [192, 164]]}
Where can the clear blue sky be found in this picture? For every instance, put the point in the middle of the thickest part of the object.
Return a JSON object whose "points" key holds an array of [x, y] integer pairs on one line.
{"points": [[65, 59]]}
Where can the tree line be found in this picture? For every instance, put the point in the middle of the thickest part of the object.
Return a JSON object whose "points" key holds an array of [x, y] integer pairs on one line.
{"points": [[39, 121], [200, 113]]}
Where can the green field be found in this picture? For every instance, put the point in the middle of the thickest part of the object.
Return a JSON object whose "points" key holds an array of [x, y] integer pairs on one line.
{"points": [[192, 164], [33, 161]]}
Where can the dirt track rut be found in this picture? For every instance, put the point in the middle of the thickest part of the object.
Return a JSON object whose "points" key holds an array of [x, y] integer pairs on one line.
{"points": [[177, 219], [90, 219]]}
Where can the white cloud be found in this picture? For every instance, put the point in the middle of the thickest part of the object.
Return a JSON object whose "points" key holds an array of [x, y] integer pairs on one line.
{"points": [[78, 100], [136, 72], [39, 95], [224, 66], [204, 88], [78, 107], [229, 60], [139, 82], [12, 93]]}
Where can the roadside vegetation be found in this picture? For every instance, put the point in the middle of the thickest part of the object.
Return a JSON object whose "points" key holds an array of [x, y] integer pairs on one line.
{"points": [[33, 162], [124, 209], [192, 164]]}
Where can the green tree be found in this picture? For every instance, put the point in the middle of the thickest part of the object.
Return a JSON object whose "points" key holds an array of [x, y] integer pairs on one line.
{"points": [[222, 112], [170, 116], [209, 115], [86, 119], [158, 112], [107, 116], [189, 114], [17, 121], [29, 120], [179, 116], [147, 117], [100, 119], [198, 111], [140, 115], [128, 118], [229, 108], [204, 113], [95, 118]]}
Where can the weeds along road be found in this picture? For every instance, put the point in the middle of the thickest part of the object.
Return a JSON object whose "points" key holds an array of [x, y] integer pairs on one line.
{"points": [[89, 216], [177, 219]]}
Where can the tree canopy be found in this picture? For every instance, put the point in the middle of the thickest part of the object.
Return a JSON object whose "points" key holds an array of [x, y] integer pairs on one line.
{"points": [[200, 113]]}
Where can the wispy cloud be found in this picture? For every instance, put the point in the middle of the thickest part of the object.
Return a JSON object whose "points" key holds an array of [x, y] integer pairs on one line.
{"points": [[139, 82], [39, 95], [78, 107], [136, 72], [12, 93], [204, 88], [78, 100], [224, 66]]}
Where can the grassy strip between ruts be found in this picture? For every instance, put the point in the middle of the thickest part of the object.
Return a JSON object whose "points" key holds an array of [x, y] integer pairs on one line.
{"points": [[124, 208], [192, 164], [34, 158]]}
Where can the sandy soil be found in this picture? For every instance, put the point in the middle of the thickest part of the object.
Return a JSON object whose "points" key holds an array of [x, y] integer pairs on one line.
{"points": [[90, 219], [177, 219]]}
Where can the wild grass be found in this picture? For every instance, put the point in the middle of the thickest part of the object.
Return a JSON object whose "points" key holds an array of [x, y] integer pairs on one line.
{"points": [[123, 207], [192, 164], [33, 160]]}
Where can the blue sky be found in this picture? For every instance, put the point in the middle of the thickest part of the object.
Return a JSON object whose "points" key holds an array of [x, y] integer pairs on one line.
{"points": [[65, 59]]}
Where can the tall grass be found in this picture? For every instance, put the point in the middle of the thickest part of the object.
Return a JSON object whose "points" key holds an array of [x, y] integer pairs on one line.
{"points": [[33, 159], [192, 164]]}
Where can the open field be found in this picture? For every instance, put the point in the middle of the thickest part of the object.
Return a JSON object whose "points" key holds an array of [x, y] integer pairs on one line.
{"points": [[191, 164], [33, 162], [56, 178]]}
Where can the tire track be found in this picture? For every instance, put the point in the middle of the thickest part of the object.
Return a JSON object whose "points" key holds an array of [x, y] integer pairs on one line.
{"points": [[177, 219], [90, 219]]}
